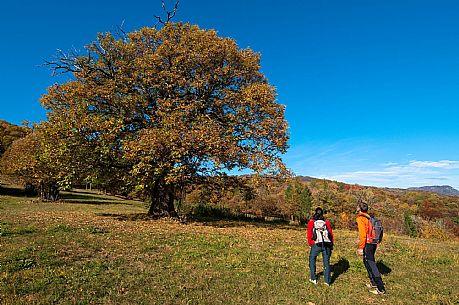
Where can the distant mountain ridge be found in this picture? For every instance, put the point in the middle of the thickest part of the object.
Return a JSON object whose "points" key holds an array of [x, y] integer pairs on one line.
{"points": [[445, 190], [439, 189]]}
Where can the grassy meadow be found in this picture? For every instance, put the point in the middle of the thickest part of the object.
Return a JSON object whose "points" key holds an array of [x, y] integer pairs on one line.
{"points": [[97, 249]]}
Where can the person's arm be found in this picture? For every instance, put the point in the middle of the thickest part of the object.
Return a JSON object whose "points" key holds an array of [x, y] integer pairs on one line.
{"points": [[362, 233], [329, 228], [310, 226]]}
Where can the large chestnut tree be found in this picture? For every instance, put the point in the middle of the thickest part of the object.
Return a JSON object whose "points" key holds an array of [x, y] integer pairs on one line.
{"points": [[155, 109]]}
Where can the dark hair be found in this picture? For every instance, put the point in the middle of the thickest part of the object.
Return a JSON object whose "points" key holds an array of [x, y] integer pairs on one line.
{"points": [[363, 207], [318, 214]]}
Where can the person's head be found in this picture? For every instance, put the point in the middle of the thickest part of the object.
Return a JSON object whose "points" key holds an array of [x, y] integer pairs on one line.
{"points": [[363, 207], [318, 214]]}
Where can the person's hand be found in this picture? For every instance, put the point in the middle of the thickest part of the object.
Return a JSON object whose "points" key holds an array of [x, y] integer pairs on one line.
{"points": [[360, 252]]}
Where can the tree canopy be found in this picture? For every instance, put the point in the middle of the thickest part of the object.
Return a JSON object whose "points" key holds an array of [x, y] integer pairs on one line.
{"points": [[154, 110]]}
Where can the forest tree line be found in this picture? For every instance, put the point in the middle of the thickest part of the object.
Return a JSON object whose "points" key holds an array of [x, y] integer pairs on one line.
{"points": [[413, 213]]}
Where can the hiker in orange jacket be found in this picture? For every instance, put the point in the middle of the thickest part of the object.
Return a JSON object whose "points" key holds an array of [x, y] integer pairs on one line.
{"points": [[367, 251], [320, 239]]}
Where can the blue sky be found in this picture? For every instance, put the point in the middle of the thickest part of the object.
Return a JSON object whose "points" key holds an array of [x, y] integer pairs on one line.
{"points": [[371, 87]]}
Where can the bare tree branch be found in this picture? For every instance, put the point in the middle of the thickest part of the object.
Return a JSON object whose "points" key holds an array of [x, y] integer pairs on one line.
{"points": [[170, 14], [63, 63], [121, 32], [73, 62]]}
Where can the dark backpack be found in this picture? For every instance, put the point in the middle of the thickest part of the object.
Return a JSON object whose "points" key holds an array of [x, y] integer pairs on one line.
{"points": [[375, 230], [320, 234]]}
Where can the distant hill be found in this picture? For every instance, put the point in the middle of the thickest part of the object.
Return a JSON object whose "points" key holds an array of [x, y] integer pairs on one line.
{"points": [[439, 189], [306, 178]]}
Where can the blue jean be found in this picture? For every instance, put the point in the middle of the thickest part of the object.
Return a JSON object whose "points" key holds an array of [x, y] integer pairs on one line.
{"points": [[326, 253]]}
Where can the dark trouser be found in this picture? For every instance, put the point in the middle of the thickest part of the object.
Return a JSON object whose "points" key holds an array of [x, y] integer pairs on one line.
{"points": [[326, 253], [372, 269]]}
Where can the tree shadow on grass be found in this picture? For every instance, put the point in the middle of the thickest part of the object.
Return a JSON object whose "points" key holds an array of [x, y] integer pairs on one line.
{"points": [[94, 202], [94, 192], [74, 196], [240, 221], [79, 198], [221, 217], [337, 269], [216, 217], [383, 268], [12, 191], [128, 217], [206, 221]]}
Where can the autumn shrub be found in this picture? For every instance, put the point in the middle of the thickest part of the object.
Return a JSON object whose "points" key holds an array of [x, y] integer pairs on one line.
{"points": [[433, 229], [451, 225]]}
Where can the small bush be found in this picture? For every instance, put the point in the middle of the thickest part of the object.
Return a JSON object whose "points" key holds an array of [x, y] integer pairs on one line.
{"points": [[410, 226]]}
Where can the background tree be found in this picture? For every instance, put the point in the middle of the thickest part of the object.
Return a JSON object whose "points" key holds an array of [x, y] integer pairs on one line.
{"points": [[26, 162], [10, 133], [298, 200], [19, 160], [305, 204], [158, 109]]}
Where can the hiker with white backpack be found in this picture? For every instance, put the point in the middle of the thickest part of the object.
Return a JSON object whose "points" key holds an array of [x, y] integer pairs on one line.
{"points": [[320, 239]]}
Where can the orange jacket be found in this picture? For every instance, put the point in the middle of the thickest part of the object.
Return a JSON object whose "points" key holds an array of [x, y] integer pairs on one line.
{"points": [[362, 223]]}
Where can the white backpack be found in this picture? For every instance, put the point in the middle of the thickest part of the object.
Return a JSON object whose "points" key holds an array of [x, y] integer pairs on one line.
{"points": [[320, 234]]}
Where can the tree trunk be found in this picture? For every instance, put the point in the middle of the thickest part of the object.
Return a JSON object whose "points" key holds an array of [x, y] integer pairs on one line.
{"points": [[30, 189], [49, 191], [162, 197]]}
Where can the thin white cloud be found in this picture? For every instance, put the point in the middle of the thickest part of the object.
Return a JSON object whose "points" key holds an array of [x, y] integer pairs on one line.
{"points": [[389, 164], [446, 164], [413, 173], [437, 178]]}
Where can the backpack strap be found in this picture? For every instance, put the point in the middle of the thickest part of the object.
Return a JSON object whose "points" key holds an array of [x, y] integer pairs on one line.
{"points": [[367, 217]]}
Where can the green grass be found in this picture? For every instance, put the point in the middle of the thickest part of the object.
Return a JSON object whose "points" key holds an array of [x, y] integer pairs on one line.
{"points": [[102, 252]]}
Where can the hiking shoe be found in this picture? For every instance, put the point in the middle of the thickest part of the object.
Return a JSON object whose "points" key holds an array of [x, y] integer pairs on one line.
{"points": [[376, 291], [313, 281], [371, 286], [327, 284]]}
